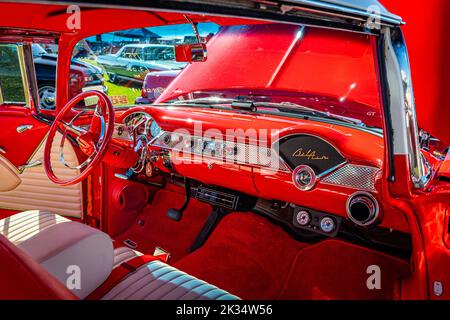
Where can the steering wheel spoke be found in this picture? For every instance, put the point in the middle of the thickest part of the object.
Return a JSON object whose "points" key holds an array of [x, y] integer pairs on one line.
{"points": [[77, 130]]}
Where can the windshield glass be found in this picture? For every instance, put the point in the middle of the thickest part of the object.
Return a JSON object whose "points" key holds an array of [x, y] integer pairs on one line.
{"points": [[330, 71]]}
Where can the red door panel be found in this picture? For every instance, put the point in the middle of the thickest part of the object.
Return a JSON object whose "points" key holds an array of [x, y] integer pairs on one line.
{"points": [[19, 147]]}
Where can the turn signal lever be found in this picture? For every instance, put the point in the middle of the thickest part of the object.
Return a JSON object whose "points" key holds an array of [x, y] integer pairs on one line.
{"points": [[175, 214]]}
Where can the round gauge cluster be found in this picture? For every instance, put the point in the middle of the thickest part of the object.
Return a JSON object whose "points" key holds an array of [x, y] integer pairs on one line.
{"points": [[316, 221]]}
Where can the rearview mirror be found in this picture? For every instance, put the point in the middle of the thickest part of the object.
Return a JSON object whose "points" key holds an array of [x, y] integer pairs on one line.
{"points": [[190, 52]]}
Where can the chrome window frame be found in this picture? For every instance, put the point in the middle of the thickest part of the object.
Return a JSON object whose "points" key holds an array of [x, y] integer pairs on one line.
{"points": [[401, 107]]}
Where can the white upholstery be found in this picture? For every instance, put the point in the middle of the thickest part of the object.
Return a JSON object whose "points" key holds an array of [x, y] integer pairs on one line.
{"points": [[159, 281], [124, 254], [36, 191], [57, 243]]}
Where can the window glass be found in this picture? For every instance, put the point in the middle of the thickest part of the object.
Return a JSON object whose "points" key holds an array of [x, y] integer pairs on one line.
{"points": [[133, 66], [11, 84], [45, 57]]}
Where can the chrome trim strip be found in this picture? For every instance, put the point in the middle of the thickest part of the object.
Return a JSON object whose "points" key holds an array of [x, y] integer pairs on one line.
{"points": [[385, 17], [1, 95], [402, 106], [23, 72]]}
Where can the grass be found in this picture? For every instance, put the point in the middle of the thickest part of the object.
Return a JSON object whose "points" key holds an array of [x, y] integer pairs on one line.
{"points": [[119, 94], [122, 95]]}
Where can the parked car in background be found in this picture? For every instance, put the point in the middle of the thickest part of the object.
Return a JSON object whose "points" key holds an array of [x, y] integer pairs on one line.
{"points": [[154, 84], [82, 74], [134, 61]]}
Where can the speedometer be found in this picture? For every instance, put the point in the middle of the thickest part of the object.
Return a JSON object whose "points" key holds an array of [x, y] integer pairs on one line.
{"points": [[154, 129]]}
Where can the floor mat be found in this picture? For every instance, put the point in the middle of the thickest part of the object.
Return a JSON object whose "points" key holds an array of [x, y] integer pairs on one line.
{"points": [[246, 255], [159, 230], [334, 269], [252, 258]]}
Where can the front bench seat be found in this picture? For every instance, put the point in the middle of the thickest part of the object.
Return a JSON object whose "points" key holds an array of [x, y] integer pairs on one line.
{"points": [[62, 247], [157, 280], [56, 242]]}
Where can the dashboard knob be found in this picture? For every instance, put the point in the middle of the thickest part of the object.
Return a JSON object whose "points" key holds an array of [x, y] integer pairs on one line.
{"points": [[327, 225], [303, 218], [167, 139], [304, 177]]}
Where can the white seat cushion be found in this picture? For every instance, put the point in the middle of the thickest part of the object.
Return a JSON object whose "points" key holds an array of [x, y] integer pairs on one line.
{"points": [[158, 281], [124, 254], [58, 244]]}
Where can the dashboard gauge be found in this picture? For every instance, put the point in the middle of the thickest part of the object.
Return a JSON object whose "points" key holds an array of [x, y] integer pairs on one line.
{"points": [[155, 130]]}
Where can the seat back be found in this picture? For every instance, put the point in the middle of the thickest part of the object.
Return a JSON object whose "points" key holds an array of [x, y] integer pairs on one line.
{"points": [[21, 278]]}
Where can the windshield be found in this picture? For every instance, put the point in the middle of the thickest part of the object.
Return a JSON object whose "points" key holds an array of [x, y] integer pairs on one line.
{"points": [[330, 71]]}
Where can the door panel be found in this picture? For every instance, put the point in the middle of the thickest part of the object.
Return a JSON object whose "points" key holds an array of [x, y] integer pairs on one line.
{"points": [[37, 192], [19, 147], [9, 175], [20, 132]]}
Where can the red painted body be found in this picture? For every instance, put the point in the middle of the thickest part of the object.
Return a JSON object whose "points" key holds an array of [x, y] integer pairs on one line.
{"points": [[352, 89]]}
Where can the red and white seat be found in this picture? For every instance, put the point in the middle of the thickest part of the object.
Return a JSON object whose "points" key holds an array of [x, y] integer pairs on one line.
{"points": [[47, 246]]}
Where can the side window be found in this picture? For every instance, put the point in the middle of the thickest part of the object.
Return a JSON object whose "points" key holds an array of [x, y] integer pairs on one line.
{"points": [[137, 54], [12, 88], [126, 53], [45, 58]]}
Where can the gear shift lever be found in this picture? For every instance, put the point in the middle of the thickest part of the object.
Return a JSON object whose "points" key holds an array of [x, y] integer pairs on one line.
{"points": [[175, 214]]}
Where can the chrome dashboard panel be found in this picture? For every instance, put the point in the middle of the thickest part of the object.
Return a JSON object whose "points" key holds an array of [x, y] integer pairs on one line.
{"points": [[226, 151], [354, 176]]}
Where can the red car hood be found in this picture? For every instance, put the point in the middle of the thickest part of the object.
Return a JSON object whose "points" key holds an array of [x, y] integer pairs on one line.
{"points": [[286, 58]]}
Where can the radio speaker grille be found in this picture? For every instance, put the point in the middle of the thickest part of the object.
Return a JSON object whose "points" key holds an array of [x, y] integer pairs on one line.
{"points": [[353, 176]]}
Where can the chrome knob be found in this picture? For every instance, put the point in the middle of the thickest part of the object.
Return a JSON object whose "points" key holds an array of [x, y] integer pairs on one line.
{"points": [[327, 225], [303, 218], [304, 178]]}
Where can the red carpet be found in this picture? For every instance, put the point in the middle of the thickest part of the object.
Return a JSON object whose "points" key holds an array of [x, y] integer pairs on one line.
{"points": [[334, 269], [159, 230], [246, 255], [254, 259]]}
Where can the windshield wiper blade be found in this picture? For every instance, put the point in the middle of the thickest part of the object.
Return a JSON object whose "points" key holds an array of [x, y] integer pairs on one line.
{"points": [[289, 107], [252, 106], [206, 100]]}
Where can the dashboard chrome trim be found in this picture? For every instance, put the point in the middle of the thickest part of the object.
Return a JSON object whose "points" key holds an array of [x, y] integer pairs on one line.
{"points": [[241, 153], [353, 176]]}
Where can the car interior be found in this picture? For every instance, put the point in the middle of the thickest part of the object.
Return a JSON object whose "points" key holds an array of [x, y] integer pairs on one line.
{"points": [[258, 173]]}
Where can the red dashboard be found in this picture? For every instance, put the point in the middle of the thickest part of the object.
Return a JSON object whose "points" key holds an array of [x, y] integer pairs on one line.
{"points": [[174, 150]]}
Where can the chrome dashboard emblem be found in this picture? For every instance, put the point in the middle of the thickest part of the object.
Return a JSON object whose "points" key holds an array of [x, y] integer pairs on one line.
{"points": [[310, 154], [304, 177]]}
